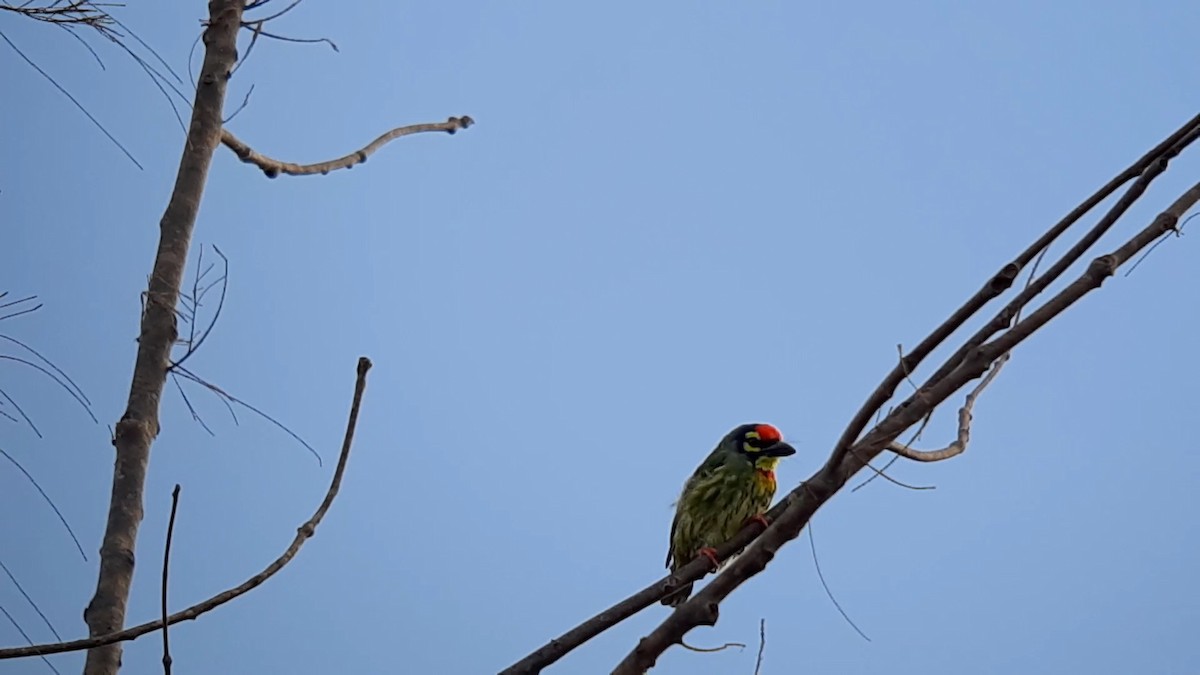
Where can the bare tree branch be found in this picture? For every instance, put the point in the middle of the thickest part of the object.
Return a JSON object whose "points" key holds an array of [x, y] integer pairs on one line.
{"points": [[803, 502], [137, 428], [273, 167], [166, 659], [959, 444], [999, 283], [303, 533], [793, 511]]}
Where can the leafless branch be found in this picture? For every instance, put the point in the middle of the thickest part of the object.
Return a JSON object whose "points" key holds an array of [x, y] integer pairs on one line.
{"points": [[243, 104], [139, 424], [959, 444], [802, 503], [166, 659], [196, 300], [273, 167], [762, 644], [23, 303], [83, 403], [854, 449], [303, 533], [1001, 282], [13, 621], [73, 100], [81, 13], [258, 31], [66, 378], [28, 599], [713, 650], [812, 542], [47, 499]]}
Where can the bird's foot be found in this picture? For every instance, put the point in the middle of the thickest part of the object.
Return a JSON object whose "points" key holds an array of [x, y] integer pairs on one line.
{"points": [[710, 553], [761, 519]]}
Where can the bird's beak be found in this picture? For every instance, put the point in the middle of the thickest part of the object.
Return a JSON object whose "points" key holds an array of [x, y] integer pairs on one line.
{"points": [[780, 449]]}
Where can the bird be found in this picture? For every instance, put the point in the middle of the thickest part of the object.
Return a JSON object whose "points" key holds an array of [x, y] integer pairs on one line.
{"points": [[732, 487]]}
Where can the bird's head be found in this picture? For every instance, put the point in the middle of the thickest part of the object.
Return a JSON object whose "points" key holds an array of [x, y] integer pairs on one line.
{"points": [[761, 444]]}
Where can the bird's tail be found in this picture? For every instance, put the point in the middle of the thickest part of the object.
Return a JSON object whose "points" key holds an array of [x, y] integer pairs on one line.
{"points": [[678, 597]]}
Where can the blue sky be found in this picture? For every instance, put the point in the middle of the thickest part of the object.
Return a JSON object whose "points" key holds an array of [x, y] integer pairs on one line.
{"points": [[669, 220]]}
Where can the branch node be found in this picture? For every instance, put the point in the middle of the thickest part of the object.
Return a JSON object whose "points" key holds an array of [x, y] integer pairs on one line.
{"points": [[1004, 278]]}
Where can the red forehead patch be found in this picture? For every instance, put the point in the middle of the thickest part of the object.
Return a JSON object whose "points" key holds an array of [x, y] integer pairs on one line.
{"points": [[769, 433]]}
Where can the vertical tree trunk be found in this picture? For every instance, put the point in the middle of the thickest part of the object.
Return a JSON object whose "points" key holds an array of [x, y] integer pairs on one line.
{"points": [[138, 427]]}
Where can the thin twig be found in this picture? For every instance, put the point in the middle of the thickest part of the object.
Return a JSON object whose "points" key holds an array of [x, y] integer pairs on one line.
{"points": [[194, 343], [229, 398], [79, 399], [50, 363], [711, 650], [303, 533], [762, 644], [284, 38], [25, 635], [812, 542], [28, 599], [241, 107], [166, 659], [73, 100], [49, 501]]}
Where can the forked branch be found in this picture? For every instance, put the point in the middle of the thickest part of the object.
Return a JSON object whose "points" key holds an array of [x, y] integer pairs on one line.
{"points": [[303, 533], [273, 167], [803, 502], [854, 449]]}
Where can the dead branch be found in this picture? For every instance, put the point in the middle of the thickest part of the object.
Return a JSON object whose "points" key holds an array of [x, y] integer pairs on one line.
{"points": [[137, 428], [273, 167], [959, 444], [803, 502], [303, 533], [166, 659]]}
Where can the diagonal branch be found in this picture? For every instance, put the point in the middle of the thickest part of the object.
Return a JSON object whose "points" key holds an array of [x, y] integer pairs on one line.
{"points": [[1001, 282], [804, 501], [303, 533], [273, 167]]}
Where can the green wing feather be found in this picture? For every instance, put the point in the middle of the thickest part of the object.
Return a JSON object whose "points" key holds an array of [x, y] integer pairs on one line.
{"points": [[714, 461]]}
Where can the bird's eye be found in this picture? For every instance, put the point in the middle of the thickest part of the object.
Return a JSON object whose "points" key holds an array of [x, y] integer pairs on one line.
{"points": [[752, 442]]}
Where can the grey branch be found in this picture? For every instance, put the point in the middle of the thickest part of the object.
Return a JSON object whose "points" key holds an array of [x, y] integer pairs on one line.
{"points": [[273, 167], [959, 445]]}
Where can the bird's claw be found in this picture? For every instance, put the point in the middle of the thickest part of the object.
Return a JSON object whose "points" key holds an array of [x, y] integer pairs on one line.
{"points": [[711, 554], [761, 519]]}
